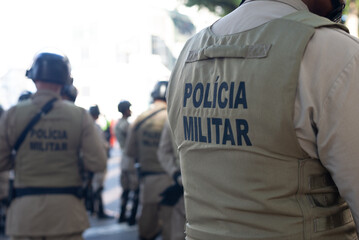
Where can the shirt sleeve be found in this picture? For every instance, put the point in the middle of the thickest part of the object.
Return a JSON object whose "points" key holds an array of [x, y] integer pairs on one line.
{"points": [[92, 148], [165, 152], [338, 134]]}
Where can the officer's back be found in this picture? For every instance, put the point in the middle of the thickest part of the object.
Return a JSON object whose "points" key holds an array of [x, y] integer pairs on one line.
{"points": [[47, 174]]}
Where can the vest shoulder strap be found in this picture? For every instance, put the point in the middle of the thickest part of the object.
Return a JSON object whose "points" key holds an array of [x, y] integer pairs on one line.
{"points": [[314, 20], [148, 117], [44, 110]]}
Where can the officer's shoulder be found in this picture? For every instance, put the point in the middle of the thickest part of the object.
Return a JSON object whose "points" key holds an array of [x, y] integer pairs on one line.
{"points": [[196, 39], [337, 39], [24, 105], [71, 107]]}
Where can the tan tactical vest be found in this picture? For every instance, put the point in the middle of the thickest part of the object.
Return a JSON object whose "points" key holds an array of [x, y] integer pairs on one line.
{"points": [[48, 157], [148, 128], [230, 105]]}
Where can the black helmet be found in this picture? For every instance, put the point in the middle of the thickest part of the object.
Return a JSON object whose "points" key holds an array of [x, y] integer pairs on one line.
{"points": [[159, 92], [70, 92], [24, 96], [1, 110], [50, 67], [94, 111], [123, 106]]}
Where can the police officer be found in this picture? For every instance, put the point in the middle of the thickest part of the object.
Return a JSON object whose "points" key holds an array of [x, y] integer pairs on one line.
{"points": [[25, 95], [173, 196], [142, 145], [69, 92], [99, 177], [128, 178], [262, 106], [4, 192], [47, 202]]}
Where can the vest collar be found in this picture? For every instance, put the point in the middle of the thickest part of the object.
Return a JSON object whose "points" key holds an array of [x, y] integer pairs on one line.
{"points": [[297, 4]]}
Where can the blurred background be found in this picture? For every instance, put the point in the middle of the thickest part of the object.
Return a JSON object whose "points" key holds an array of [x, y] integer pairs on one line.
{"points": [[118, 49]]}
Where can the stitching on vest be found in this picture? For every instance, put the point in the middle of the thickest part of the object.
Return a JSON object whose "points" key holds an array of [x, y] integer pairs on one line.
{"points": [[229, 51]]}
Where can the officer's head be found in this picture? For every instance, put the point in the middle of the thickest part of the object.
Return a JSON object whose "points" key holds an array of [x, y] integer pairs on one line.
{"points": [[69, 92], [94, 111], [124, 108], [51, 68], [159, 92], [24, 96], [332, 9]]}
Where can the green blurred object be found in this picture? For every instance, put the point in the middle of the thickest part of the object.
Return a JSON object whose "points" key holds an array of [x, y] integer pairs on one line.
{"points": [[219, 7]]}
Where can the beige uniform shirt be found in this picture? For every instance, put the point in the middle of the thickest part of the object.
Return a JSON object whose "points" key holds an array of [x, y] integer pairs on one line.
{"points": [[46, 215], [325, 112], [121, 129], [326, 97], [99, 177], [167, 151]]}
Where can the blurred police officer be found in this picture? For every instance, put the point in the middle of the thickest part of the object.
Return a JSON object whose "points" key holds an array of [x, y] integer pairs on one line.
{"points": [[25, 95], [173, 196], [262, 105], [99, 177], [47, 202], [128, 178], [4, 191], [142, 145], [69, 92]]}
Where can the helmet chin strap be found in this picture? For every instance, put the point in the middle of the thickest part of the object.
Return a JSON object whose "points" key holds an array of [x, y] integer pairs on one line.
{"points": [[336, 14]]}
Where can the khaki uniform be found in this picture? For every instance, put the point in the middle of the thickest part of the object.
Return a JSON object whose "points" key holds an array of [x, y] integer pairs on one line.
{"points": [[48, 157], [129, 179], [4, 178], [168, 157], [248, 170], [99, 177], [142, 145]]}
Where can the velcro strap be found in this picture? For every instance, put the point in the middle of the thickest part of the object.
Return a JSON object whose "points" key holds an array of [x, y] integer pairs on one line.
{"points": [[229, 51], [321, 181], [21, 192], [333, 221]]}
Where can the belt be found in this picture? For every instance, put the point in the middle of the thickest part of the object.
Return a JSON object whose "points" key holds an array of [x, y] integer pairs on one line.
{"points": [[28, 191]]}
